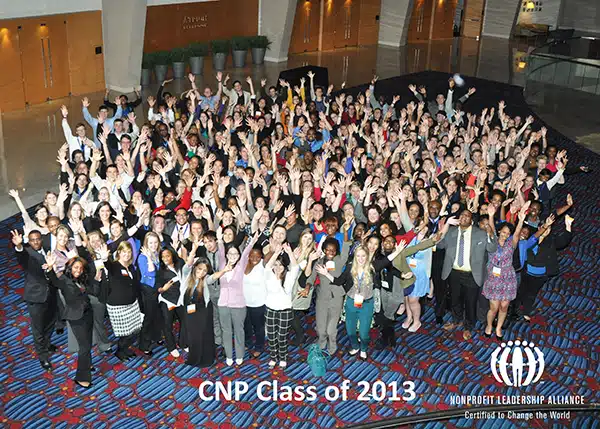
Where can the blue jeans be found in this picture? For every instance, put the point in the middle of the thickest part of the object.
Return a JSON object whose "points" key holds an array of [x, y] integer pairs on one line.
{"points": [[354, 315]]}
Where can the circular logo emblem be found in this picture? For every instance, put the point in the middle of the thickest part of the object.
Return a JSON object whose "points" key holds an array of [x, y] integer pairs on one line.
{"points": [[517, 364]]}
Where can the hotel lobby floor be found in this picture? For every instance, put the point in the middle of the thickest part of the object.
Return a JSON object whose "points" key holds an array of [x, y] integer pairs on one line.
{"points": [[29, 139]]}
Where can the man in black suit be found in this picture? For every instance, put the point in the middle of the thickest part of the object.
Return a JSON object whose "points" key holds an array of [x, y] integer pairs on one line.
{"points": [[39, 296]]}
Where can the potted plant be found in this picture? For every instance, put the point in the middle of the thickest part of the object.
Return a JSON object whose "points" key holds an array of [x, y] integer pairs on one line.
{"points": [[220, 49], [259, 46], [161, 65], [239, 50], [197, 53], [179, 56], [147, 64]]}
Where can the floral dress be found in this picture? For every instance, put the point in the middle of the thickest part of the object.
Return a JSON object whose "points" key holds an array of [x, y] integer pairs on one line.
{"points": [[501, 281]]}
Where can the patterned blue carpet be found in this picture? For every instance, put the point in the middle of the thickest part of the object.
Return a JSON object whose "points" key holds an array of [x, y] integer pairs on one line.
{"points": [[162, 392]]}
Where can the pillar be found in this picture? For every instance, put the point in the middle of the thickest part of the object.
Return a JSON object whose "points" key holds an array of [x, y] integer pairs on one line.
{"points": [[500, 17], [276, 20], [123, 24], [394, 20]]}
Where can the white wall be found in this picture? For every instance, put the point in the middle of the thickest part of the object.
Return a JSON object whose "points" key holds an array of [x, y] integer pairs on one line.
{"points": [[548, 15], [583, 15], [499, 17], [24, 8]]}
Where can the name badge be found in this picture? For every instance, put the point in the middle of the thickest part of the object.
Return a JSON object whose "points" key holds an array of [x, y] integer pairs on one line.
{"points": [[412, 262], [191, 308], [496, 271], [358, 300], [385, 284], [330, 265], [125, 273]]}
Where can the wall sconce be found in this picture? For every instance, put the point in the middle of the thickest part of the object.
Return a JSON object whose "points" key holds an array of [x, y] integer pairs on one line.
{"points": [[522, 64], [530, 5]]}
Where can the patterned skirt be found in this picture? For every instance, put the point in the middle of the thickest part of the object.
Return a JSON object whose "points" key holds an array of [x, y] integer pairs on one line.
{"points": [[125, 319]]}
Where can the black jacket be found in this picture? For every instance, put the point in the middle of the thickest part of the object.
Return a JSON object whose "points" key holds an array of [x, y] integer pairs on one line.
{"points": [[76, 299], [547, 252], [36, 283]]}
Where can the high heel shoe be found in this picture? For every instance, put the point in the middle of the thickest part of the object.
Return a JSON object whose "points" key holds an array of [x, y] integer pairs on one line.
{"points": [[82, 385], [487, 335], [499, 338]]}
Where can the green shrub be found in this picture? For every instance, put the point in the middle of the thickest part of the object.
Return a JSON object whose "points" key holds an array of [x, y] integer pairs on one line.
{"points": [[240, 43], [179, 55], [162, 58], [260, 42], [148, 60], [219, 46], [198, 49]]}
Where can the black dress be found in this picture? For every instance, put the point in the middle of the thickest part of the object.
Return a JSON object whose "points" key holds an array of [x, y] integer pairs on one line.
{"points": [[200, 331]]}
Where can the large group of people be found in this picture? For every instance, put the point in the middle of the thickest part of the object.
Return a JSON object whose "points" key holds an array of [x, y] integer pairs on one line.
{"points": [[219, 223]]}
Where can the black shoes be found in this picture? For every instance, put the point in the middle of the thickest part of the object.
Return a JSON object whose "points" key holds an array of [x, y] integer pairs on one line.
{"points": [[439, 320], [60, 331], [52, 348], [46, 364]]}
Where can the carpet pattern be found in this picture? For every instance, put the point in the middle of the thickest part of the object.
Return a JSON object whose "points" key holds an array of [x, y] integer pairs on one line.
{"points": [[162, 392]]}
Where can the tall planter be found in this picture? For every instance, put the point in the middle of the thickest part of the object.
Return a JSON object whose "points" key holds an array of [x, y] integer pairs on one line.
{"points": [[239, 58], [179, 57], [219, 49], [196, 65], [160, 71], [146, 75], [161, 65], [219, 60], [259, 45], [178, 69], [258, 55]]}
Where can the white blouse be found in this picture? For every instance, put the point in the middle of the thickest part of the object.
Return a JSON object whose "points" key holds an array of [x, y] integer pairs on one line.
{"points": [[255, 292], [279, 297]]}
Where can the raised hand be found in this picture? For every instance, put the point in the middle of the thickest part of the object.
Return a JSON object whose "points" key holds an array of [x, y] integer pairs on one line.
{"points": [[17, 238], [64, 111], [85, 102]]}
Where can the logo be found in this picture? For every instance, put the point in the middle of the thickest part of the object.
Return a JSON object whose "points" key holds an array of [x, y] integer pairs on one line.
{"points": [[525, 360]]}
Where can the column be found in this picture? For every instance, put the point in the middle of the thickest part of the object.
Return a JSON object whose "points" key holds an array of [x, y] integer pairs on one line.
{"points": [[393, 22], [500, 17], [276, 20], [123, 24]]}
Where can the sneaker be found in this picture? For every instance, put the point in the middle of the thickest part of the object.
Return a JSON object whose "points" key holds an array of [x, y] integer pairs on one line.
{"points": [[175, 353], [229, 362], [282, 364], [187, 349], [363, 355], [353, 352], [272, 364], [239, 361]]}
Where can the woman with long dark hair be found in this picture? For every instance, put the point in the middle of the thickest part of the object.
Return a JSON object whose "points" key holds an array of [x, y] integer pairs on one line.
{"points": [[74, 285], [280, 275], [171, 292]]}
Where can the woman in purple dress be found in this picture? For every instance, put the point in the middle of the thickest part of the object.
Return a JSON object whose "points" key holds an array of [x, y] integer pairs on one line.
{"points": [[500, 286]]}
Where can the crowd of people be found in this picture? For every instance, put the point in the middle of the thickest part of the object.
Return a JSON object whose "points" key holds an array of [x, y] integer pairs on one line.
{"points": [[230, 216]]}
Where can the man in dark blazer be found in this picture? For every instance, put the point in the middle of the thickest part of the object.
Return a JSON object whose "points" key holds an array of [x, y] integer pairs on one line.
{"points": [[465, 263], [39, 296]]}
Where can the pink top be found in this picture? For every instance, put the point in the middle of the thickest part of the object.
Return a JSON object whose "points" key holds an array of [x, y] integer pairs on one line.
{"points": [[232, 283]]}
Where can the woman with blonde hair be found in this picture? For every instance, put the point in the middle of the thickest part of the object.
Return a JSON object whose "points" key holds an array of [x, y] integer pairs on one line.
{"points": [[304, 253], [358, 281]]}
